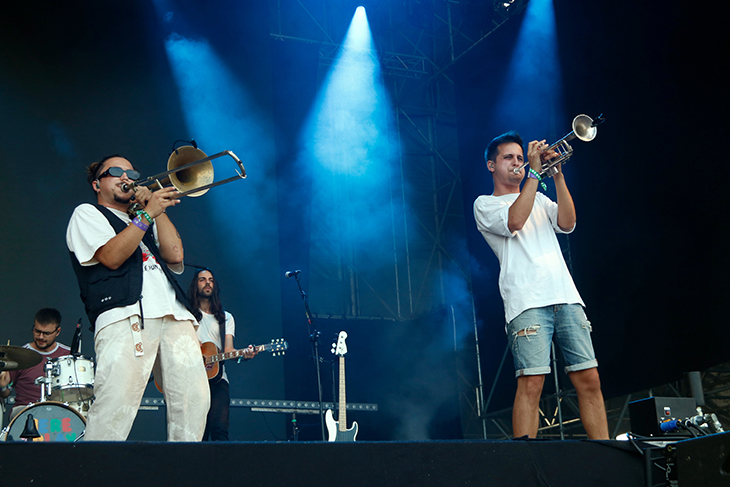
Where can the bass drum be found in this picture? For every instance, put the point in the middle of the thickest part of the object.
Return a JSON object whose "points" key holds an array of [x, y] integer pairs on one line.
{"points": [[54, 421]]}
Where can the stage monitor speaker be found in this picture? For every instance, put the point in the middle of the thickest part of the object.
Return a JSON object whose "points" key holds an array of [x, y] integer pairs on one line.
{"points": [[647, 414], [699, 462]]}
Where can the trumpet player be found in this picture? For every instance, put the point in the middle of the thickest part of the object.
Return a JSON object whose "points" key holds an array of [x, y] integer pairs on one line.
{"points": [[139, 313], [540, 299]]}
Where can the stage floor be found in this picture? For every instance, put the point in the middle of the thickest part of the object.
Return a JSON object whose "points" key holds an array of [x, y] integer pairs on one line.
{"points": [[376, 464]]}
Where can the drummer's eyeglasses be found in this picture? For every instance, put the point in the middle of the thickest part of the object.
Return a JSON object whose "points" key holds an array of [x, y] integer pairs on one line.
{"points": [[45, 333], [116, 172]]}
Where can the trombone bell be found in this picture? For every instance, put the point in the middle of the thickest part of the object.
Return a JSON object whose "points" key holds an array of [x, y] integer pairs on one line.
{"points": [[190, 171], [193, 177]]}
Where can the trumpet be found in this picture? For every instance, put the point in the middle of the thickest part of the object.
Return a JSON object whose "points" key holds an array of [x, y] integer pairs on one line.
{"points": [[584, 128], [190, 171]]}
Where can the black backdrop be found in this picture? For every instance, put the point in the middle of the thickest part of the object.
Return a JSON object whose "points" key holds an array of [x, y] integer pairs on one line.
{"points": [[82, 79], [649, 253]]}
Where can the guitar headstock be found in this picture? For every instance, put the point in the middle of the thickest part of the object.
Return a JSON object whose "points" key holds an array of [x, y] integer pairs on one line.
{"points": [[277, 346], [339, 348]]}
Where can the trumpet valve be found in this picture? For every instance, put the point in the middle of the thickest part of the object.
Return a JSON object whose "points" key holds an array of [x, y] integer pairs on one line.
{"points": [[550, 171]]}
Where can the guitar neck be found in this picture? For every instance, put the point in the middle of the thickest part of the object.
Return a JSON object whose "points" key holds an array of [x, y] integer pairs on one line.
{"points": [[220, 357], [342, 417]]}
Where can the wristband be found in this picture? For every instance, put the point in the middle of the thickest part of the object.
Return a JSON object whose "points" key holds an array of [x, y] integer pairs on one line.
{"points": [[534, 175], [138, 223], [145, 215]]}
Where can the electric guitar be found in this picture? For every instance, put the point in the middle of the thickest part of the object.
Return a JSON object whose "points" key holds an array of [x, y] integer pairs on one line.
{"points": [[337, 430], [212, 355]]}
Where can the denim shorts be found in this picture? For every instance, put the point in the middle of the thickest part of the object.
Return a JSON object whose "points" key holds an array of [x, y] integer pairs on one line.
{"points": [[530, 335]]}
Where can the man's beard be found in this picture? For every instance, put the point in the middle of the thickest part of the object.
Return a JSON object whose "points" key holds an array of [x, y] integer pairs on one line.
{"points": [[46, 347], [124, 198]]}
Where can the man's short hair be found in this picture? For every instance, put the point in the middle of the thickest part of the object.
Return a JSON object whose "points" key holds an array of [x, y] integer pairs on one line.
{"points": [[48, 316], [506, 138]]}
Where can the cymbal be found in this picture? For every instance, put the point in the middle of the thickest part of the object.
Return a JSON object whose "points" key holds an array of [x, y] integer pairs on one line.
{"points": [[17, 358]]}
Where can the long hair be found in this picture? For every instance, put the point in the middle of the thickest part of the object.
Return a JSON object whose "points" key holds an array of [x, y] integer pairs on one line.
{"points": [[215, 301]]}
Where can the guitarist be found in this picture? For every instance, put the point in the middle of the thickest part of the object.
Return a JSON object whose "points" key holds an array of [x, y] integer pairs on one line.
{"points": [[219, 327]]}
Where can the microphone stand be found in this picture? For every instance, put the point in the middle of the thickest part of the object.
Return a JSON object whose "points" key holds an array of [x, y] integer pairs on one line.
{"points": [[314, 338], [76, 341]]}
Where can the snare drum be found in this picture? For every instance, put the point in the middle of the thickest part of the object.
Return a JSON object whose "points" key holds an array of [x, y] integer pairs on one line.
{"points": [[72, 379], [55, 422], [82, 407]]}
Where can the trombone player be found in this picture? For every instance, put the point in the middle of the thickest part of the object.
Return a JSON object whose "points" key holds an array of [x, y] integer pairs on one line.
{"points": [[541, 301], [124, 265]]}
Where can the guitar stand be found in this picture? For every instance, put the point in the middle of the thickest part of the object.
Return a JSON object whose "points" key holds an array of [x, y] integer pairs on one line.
{"points": [[314, 338]]}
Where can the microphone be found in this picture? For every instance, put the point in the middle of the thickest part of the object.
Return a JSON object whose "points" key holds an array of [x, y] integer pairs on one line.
{"points": [[290, 274], [76, 341]]}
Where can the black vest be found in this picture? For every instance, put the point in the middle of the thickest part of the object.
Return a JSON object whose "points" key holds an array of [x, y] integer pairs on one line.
{"points": [[103, 289]]}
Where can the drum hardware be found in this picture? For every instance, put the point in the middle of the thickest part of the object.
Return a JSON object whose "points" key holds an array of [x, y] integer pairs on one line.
{"points": [[44, 383], [82, 407], [30, 431]]}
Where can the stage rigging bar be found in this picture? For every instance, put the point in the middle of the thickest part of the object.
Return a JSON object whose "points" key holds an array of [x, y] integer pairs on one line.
{"points": [[259, 405], [271, 405]]}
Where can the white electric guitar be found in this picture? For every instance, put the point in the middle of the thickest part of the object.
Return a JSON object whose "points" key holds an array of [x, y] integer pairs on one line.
{"points": [[337, 430]]}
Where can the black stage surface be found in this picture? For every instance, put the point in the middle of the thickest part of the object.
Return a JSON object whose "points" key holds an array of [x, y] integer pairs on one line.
{"points": [[431, 463]]}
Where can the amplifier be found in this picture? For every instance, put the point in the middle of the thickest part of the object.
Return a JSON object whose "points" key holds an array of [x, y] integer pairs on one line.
{"points": [[647, 414], [699, 462]]}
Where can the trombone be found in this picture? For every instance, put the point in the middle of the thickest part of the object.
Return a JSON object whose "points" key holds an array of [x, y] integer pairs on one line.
{"points": [[190, 171], [584, 128]]}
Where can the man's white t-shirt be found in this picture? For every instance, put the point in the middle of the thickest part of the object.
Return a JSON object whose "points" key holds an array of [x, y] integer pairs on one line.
{"points": [[88, 230], [532, 272]]}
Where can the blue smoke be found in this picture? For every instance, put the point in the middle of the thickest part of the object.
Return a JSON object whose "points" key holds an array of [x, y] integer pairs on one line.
{"points": [[221, 116], [349, 144], [533, 86]]}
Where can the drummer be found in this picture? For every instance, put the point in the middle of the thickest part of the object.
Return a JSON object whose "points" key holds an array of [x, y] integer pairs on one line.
{"points": [[46, 328]]}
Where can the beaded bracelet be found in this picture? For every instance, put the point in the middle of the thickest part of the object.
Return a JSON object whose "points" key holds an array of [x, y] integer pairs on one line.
{"points": [[534, 175], [138, 223], [145, 215]]}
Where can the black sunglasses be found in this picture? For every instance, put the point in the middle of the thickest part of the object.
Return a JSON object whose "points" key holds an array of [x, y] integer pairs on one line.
{"points": [[116, 172]]}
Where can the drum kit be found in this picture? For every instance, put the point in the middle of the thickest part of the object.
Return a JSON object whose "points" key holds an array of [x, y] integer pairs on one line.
{"points": [[67, 392], [67, 387]]}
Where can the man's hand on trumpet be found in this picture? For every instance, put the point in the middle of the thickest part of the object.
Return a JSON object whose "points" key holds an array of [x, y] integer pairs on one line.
{"points": [[538, 155], [534, 154]]}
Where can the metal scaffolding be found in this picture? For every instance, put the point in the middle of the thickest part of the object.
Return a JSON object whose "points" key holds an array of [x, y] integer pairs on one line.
{"points": [[418, 41], [417, 45]]}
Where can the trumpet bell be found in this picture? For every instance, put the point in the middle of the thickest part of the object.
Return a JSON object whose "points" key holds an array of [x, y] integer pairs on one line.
{"points": [[583, 128], [194, 177]]}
